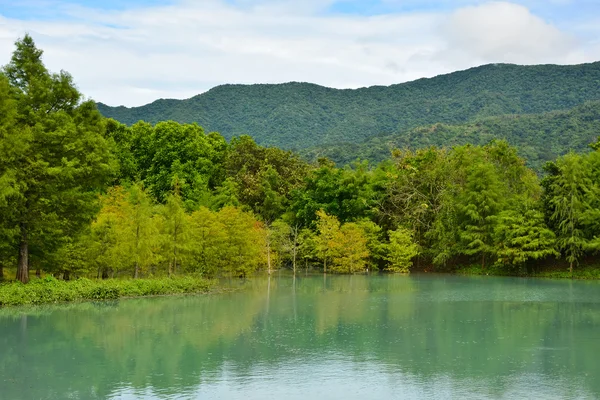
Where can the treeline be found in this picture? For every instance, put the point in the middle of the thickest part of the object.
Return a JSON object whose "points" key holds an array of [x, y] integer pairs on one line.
{"points": [[81, 195]]}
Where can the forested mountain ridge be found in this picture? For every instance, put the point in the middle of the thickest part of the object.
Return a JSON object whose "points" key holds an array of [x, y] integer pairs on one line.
{"points": [[538, 137], [300, 115]]}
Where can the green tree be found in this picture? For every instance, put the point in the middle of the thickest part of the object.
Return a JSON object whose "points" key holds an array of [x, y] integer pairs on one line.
{"points": [[566, 189], [62, 159], [479, 203], [520, 236]]}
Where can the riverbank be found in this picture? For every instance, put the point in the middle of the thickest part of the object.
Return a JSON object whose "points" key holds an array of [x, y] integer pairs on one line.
{"points": [[50, 290]]}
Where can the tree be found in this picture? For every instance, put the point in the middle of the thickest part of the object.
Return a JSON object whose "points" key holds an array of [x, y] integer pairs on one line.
{"points": [[375, 243], [264, 176], [520, 236], [401, 250], [242, 251], [62, 159], [479, 203], [328, 228], [175, 230], [208, 237], [344, 193], [350, 251], [287, 241], [138, 229], [566, 189]]}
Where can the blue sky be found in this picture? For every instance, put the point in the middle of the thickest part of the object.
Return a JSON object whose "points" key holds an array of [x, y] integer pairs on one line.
{"points": [[134, 51], [556, 10]]}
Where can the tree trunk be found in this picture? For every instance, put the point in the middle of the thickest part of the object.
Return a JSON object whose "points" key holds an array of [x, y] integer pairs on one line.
{"points": [[23, 260], [269, 255], [1, 272], [325, 265], [294, 261], [67, 276], [38, 273], [137, 245], [482, 260], [571, 268], [174, 261], [104, 273], [175, 253]]}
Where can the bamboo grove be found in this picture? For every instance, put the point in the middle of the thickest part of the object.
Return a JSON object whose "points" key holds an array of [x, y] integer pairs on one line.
{"points": [[81, 195]]}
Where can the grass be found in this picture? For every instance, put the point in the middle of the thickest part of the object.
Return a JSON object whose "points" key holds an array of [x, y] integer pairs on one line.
{"points": [[582, 273], [50, 290], [588, 272]]}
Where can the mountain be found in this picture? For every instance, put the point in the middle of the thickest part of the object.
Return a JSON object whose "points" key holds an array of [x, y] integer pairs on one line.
{"points": [[301, 115], [538, 137]]}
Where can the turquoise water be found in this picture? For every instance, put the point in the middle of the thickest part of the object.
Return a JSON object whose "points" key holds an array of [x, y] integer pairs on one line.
{"points": [[315, 337]]}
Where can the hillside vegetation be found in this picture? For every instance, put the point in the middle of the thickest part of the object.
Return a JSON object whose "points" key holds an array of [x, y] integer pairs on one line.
{"points": [[301, 115], [538, 137]]}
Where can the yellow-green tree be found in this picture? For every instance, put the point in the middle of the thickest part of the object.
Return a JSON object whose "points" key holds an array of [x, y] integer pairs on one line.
{"points": [[138, 230], [175, 232], [207, 238], [350, 250], [242, 251], [401, 250], [326, 242]]}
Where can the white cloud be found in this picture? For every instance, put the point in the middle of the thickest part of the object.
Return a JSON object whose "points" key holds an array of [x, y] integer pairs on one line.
{"points": [[133, 57], [506, 32]]}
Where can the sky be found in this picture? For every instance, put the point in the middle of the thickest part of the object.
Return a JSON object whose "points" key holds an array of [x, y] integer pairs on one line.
{"points": [[132, 52]]}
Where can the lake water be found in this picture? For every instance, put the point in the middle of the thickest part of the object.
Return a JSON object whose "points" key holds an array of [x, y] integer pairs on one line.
{"points": [[315, 337]]}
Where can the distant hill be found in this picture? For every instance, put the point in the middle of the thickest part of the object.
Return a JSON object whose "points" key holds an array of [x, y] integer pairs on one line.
{"points": [[301, 115], [538, 137]]}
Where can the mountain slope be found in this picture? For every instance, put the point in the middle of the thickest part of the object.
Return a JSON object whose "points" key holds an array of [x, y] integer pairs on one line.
{"points": [[538, 137], [301, 115]]}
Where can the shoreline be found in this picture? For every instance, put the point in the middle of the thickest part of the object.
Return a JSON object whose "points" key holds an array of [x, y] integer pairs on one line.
{"points": [[50, 291]]}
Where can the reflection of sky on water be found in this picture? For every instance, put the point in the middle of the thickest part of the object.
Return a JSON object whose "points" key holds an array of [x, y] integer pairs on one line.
{"points": [[341, 378]]}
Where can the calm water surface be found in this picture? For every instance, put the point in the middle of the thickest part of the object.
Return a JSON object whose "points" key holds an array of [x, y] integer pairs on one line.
{"points": [[347, 337]]}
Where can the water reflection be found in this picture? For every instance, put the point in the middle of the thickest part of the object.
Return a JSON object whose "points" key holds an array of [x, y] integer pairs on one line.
{"points": [[315, 337]]}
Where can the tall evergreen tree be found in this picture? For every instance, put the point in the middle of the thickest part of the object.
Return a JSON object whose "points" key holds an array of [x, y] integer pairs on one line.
{"points": [[62, 159]]}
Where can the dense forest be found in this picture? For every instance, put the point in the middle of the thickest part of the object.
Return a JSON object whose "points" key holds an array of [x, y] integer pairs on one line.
{"points": [[295, 116], [539, 138], [86, 196]]}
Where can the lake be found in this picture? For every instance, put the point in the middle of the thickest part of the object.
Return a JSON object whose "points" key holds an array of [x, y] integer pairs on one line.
{"points": [[315, 337]]}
